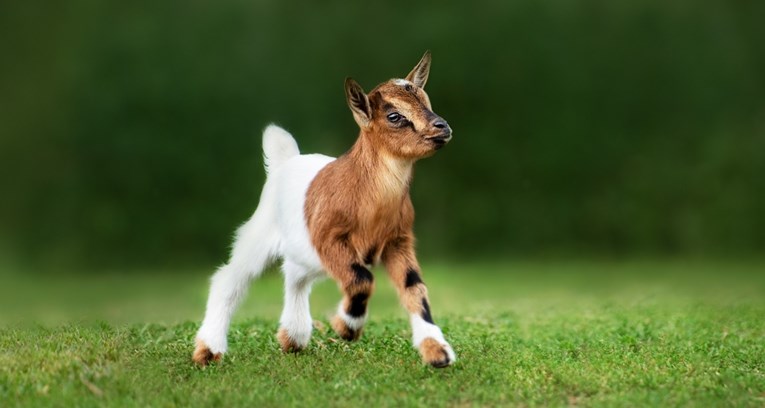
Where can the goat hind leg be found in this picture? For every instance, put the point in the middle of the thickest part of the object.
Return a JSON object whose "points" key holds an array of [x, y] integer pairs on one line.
{"points": [[251, 254], [295, 325], [228, 287]]}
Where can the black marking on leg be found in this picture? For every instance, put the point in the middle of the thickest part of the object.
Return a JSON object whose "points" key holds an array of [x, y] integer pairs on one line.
{"points": [[426, 311], [412, 278], [369, 258], [358, 305], [362, 274]]}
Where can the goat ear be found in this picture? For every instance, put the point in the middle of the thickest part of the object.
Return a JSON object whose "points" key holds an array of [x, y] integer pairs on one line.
{"points": [[419, 75], [358, 102]]}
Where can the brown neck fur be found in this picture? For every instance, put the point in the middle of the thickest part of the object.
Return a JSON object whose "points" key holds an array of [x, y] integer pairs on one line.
{"points": [[359, 203], [382, 175]]}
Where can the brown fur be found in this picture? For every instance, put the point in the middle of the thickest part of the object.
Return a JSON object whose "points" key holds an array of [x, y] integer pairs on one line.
{"points": [[203, 356], [433, 353], [400, 258], [345, 332], [359, 204], [288, 345]]}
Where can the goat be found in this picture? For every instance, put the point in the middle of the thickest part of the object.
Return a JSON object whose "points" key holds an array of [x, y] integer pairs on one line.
{"points": [[338, 217]]}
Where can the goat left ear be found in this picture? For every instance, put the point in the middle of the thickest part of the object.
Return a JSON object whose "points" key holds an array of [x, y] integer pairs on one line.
{"points": [[358, 102], [419, 75]]}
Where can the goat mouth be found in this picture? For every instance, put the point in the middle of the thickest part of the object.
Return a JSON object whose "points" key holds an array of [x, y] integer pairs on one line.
{"points": [[440, 140]]}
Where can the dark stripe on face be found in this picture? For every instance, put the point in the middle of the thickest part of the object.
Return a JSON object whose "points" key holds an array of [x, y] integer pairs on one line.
{"points": [[426, 311], [358, 306], [429, 116], [412, 278], [362, 274]]}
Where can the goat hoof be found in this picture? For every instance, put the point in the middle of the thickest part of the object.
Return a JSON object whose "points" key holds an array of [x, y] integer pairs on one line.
{"points": [[438, 355], [288, 344], [203, 356], [345, 332]]}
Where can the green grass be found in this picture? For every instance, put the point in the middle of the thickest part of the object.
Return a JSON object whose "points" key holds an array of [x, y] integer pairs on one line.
{"points": [[526, 333]]}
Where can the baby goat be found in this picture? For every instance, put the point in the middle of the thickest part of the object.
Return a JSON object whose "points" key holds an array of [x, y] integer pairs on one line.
{"points": [[337, 217]]}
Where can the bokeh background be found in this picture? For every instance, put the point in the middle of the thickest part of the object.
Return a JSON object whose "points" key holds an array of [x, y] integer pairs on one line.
{"points": [[130, 131]]}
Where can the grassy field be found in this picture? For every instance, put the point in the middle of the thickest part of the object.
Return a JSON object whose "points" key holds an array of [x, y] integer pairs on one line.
{"points": [[637, 333]]}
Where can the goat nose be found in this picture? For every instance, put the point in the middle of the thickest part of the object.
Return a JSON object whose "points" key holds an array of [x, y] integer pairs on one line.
{"points": [[440, 124]]}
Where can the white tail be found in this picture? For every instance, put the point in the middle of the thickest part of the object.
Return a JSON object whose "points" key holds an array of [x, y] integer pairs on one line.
{"points": [[278, 147]]}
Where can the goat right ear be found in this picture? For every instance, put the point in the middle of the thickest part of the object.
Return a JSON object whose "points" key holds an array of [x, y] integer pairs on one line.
{"points": [[358, 102], [419, 75]]}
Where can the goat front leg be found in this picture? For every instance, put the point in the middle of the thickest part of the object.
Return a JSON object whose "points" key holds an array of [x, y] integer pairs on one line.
{"points": [[402, 266], [357, 284]]}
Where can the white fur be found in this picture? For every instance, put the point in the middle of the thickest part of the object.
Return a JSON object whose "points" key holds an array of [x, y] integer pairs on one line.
{"points": [[422, 330], [354, 323], [402, 82], [278, 146], [278, 229], [296, 316]]}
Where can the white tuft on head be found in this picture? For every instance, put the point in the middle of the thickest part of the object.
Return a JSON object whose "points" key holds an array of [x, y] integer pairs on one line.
{"points": [[278, 147], [402, 82]]}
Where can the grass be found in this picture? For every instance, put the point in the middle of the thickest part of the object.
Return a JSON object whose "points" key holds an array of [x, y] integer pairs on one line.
{"points": [[637, 333]]}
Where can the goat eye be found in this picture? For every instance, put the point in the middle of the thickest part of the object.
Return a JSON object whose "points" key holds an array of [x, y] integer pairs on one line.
{"points": [[394, 117]]}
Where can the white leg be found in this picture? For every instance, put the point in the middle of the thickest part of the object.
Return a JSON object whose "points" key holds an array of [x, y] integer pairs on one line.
{"points": [[296, 323], [228, 287], [252, 252]]}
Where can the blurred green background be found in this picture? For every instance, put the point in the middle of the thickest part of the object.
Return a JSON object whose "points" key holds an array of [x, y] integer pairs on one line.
{"points": [[130, 131]]}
